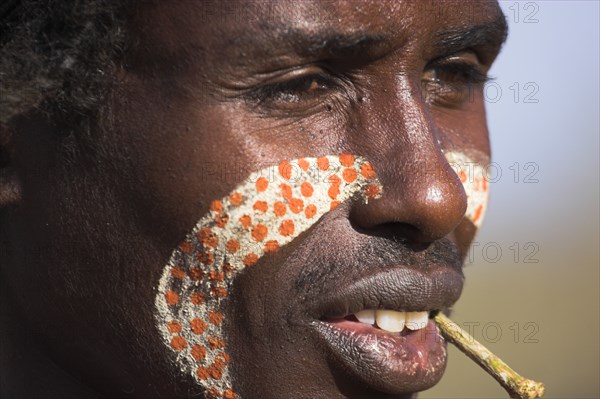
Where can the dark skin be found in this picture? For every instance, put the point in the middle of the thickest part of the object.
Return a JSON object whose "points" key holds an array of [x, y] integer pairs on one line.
{"points": [[86, 236]]}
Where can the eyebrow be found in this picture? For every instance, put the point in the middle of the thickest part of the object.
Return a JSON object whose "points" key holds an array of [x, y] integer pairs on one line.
{"points": [[332, 44], [486, 38], [338, 45], [490, 36]]}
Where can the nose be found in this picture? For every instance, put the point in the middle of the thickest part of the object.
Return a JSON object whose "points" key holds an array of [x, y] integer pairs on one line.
{"points": [[423, 198]]}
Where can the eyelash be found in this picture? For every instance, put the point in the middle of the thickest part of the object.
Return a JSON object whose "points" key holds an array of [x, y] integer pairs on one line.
{"points": [[469, 74], [452, 83], [448, 77], [289, 91]]}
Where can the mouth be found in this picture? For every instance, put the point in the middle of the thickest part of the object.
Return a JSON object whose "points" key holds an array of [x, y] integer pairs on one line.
{"points": [[380, 331]]}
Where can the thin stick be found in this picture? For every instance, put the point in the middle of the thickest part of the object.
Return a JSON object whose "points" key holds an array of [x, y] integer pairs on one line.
{"points": [[516, 386]]}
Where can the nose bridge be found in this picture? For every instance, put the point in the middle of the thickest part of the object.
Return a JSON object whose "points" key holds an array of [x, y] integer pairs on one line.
{"points": [[410, 139], [399, 121], [421, 190]]}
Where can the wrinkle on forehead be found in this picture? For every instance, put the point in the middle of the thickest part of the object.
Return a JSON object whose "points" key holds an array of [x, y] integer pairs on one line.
{"points": [[251, 35]]}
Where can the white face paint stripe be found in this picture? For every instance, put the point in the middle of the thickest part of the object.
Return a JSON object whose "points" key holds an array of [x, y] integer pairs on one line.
{"points": [[265, 212], [473, 177]]}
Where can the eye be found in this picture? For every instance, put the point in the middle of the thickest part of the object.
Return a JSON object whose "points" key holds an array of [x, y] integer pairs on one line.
{"points": [[293, 90], [296, 91], [452, 82]]}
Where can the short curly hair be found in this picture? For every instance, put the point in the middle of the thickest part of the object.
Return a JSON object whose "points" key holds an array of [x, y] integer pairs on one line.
{"points": [[57, 56]]}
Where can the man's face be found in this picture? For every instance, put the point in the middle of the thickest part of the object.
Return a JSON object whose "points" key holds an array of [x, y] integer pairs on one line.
{"points": [[211, 94]]}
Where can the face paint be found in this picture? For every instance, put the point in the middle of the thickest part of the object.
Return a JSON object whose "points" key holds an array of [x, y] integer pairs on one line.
{"points": [[265, 212], [473, 177]]}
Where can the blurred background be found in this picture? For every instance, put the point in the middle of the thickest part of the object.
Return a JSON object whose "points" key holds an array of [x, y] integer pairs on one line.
{"points": [[532, 292]]}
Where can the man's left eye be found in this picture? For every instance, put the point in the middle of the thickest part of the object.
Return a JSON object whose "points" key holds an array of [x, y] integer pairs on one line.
{"points": [[452, 83]]}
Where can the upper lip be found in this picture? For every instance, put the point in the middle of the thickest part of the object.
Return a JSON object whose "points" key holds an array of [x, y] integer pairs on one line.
{"points": [[396, 288]]}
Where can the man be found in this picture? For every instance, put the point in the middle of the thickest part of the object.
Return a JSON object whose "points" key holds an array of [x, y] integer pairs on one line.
{"points": [[254, 199]]}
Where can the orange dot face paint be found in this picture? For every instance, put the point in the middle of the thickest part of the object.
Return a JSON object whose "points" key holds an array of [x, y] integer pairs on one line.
{"points": [[265, 212], [473, 177]]}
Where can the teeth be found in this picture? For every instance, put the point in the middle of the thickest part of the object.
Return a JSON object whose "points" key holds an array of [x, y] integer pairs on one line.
{"points": [[393, 321], [366, 316], [390, 320], [416, 320]]}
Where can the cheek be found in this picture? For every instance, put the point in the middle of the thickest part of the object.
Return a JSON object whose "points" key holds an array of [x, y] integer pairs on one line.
{"points": [[473, 177], [266, 211]]}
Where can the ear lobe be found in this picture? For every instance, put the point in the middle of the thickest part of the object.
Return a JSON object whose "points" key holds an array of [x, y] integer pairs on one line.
{"points": [[10, 187]]}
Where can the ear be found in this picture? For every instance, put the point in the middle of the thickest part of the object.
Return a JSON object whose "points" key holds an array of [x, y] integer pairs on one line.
{"points": [[10, 187]]}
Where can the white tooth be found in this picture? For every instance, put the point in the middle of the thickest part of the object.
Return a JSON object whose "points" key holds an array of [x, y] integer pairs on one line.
{"points": [[390, 320], [416, 320], [366, 316]]}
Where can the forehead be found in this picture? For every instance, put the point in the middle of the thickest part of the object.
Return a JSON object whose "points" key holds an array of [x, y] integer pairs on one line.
{"points": [[276, 29]]}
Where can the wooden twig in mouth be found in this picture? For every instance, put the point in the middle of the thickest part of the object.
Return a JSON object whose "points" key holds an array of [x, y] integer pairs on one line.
{"points": [[516, 385]]}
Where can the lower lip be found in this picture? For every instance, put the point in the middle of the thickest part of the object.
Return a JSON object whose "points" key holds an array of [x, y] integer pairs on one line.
{"points": [[393, 363]]}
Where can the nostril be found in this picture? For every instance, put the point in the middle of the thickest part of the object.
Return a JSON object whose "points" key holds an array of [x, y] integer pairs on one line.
{"points": [[409, 235], [416, 205]]}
